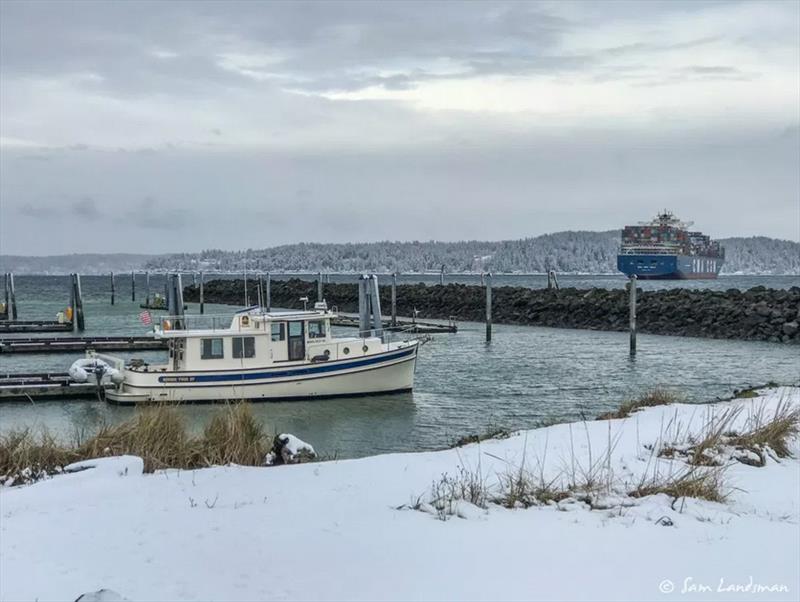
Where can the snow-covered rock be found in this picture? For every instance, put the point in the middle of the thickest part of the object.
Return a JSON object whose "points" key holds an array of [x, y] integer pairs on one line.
{"points": [[116, 465], [292, 450]]}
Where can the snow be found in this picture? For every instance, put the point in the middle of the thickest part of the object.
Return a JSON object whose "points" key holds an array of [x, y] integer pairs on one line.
{"points": [[120, 466], [103, 595], [368, 529]]}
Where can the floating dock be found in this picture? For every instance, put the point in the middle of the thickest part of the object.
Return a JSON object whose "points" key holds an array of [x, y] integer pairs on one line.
{"points": [[43, 386], [79, 344], [24, 326], [405, 325]]}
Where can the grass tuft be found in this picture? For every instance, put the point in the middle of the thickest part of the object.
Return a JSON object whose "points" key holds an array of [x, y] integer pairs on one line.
{"points": [[489, 433], [699, 483], [157, 434], [655, 397], [770, 432], [234, 436]]}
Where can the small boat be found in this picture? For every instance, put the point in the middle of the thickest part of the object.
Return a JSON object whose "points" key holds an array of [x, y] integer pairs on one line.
{"points": [[267, 356]]}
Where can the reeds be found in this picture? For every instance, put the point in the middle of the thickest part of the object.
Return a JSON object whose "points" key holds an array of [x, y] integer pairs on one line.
{"points": [[157, 434], [235, 436]]}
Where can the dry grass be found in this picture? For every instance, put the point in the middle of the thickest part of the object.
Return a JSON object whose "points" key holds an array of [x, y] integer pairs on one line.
{"points": [[762, 434], [489, 433], [157, 434], [235, 436], [656, 397], [521, 489], [770, 432], [698, 483], [705, 451], [25, 457]]}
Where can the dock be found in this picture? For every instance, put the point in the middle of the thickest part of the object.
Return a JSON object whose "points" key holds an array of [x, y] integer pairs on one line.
{"points": [[42, 386], [25, 326], [405, 325], [79, 344]]}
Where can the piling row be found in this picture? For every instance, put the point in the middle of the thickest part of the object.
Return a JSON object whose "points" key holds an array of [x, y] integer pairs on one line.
{"points": [[758, 314]]}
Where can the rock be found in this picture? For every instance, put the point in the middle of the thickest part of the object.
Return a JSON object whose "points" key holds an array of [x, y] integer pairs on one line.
{"points": [[790, 328], [756, 314], [288, 449]]}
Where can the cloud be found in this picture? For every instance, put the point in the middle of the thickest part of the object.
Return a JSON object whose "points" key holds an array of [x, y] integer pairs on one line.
{"points": [[85, 209], [44, 212], [209, 120]]}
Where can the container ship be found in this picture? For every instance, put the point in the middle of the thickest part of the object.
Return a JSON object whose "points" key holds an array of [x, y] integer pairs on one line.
{"points": [[665, 249]]}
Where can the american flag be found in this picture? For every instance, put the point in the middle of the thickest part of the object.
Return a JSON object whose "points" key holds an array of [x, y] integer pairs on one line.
{"points": [[145, 318]]}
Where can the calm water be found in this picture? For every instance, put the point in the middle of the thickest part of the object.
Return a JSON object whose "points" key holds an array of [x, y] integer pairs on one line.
{"points": [[526, 375]]}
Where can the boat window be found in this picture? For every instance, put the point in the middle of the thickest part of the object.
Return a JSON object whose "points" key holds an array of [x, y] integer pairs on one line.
{"points": [[244, 347], [279, 331], [316, 329], [295, 329], [211, 349]]}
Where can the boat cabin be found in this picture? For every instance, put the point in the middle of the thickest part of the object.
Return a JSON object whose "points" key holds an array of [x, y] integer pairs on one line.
{"points": [[259, 339]]}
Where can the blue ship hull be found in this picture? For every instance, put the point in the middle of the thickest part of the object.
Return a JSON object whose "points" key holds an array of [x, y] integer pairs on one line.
{"points": [[669, 267]]}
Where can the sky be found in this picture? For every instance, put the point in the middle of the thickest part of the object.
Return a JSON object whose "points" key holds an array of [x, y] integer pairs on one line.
{"points": [[164, 127]]}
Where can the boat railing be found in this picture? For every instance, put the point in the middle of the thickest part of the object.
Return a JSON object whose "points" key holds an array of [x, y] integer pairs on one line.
{"points": [[196, 322]]}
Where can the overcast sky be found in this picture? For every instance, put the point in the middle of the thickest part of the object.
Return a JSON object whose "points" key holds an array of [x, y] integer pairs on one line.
{"points": [[153, 127]]}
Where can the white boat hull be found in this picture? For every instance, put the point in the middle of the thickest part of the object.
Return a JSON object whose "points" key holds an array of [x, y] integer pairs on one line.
{"points": [[389, 372]]}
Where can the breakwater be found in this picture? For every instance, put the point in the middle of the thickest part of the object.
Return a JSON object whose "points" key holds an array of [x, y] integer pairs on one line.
{"points": [[756, 314]]}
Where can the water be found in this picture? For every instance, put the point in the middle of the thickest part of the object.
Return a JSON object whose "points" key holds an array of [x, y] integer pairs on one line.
{"points": [[525, 376]]}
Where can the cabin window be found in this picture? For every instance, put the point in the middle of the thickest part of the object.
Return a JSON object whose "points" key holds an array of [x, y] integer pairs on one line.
{"points": [[211, 349], [279, 331], [316, 329], [244, 347]]}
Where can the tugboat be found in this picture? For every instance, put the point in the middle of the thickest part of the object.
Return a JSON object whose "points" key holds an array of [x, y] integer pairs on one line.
{"points": [[267, 356], [665, 249]]}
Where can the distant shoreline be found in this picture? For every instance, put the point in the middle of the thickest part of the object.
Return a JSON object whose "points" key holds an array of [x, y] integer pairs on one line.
{"points": [[122, 274]]}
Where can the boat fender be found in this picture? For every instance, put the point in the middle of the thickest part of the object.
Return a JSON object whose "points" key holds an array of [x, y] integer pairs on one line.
{"points": [[167, 325]]}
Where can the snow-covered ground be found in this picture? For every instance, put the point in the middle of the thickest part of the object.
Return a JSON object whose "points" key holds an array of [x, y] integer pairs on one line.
{"points": [[346, 530]]}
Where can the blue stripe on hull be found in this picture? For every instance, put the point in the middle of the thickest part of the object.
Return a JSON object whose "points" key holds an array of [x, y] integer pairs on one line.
{"points": [[288, 372]]}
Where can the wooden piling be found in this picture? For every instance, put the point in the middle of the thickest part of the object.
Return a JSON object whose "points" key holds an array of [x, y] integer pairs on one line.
{"points": [[77, 310], [13, 291], [441, 276], [246, 293], [202, 303], [632, 312], [319, 286], [133, 286], [147, 289], [489, 307], [394, 299], [6, 312], [112, 288], [268, 293]]}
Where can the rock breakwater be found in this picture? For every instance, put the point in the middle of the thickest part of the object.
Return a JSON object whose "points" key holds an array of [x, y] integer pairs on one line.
{"points": [[756, 314]]}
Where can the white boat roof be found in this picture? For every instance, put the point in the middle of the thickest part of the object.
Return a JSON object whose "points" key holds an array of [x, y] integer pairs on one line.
{"points": [[228, 325]]}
